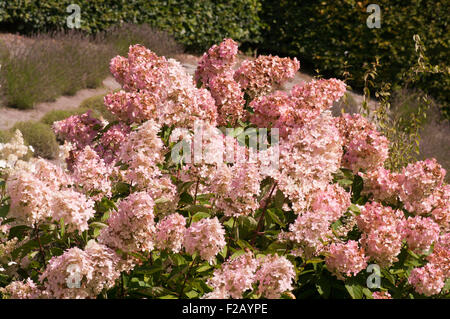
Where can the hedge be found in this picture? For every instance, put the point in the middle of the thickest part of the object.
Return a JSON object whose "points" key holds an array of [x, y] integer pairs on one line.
{"points": [[196, 24], [325, 34]]}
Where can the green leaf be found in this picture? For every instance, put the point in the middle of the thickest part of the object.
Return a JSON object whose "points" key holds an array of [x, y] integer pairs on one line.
{"points": [[200, 215], [191, 294], [204, 267], [168, 297], [4, 210], [275, 218], [355, 209], [98, 225], [355, 290], [345, 182], [278, 199], [196, 208], [62, 227]]}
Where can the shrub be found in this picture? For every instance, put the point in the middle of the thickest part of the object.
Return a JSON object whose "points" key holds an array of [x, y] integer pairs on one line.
{"points": [[134, 213], [5, 136], [329, 33], [95, 103], [40, 136], [46, 66], [160, 42], [57, 115]]}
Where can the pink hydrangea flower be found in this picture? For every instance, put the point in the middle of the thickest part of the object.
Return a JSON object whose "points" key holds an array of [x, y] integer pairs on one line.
{"points": [[332, 200], [381, 295], [381, 184], [170, 232], [92, 174], [258, 77], [131, 228], [418, 183], [237, 188], [307, 159], [80, 130], [22, 290], [427, 280], [274, 276], [73, 208], [368, 152], [229, 98], [441, 212], [205, 237], [420, 233], [110, 142], [382, 232], [235, 276], [142, 151], [345, 259], [81, 273], [219, 59]]}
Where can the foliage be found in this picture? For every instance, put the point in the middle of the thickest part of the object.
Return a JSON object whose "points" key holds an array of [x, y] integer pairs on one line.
{"points": [[95, 103], [334, 38], [40, 136], [57, 115], [195, 24], [402, 125]]}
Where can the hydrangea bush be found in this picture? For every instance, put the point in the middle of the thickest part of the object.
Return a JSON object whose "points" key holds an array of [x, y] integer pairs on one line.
{"points": [[173, 200]]}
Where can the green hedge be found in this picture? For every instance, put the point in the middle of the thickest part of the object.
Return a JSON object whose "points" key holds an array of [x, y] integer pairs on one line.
{"points": [[325, 34], [196, 24]]}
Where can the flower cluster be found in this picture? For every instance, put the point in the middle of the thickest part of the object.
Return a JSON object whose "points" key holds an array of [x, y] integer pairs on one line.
{"points": [[420, 233], [234, 277], [308, 157], [157, 89], [12, 152], [218, 60], [237, 188], [81, 273], [418, 183], [302, 105], [131, 228], [274, 276], [258, 77], [170, 232], [345, 259], [91, 173], [80, 130], [382, 229], [205, 237], [41, 191], [381, 185]]}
